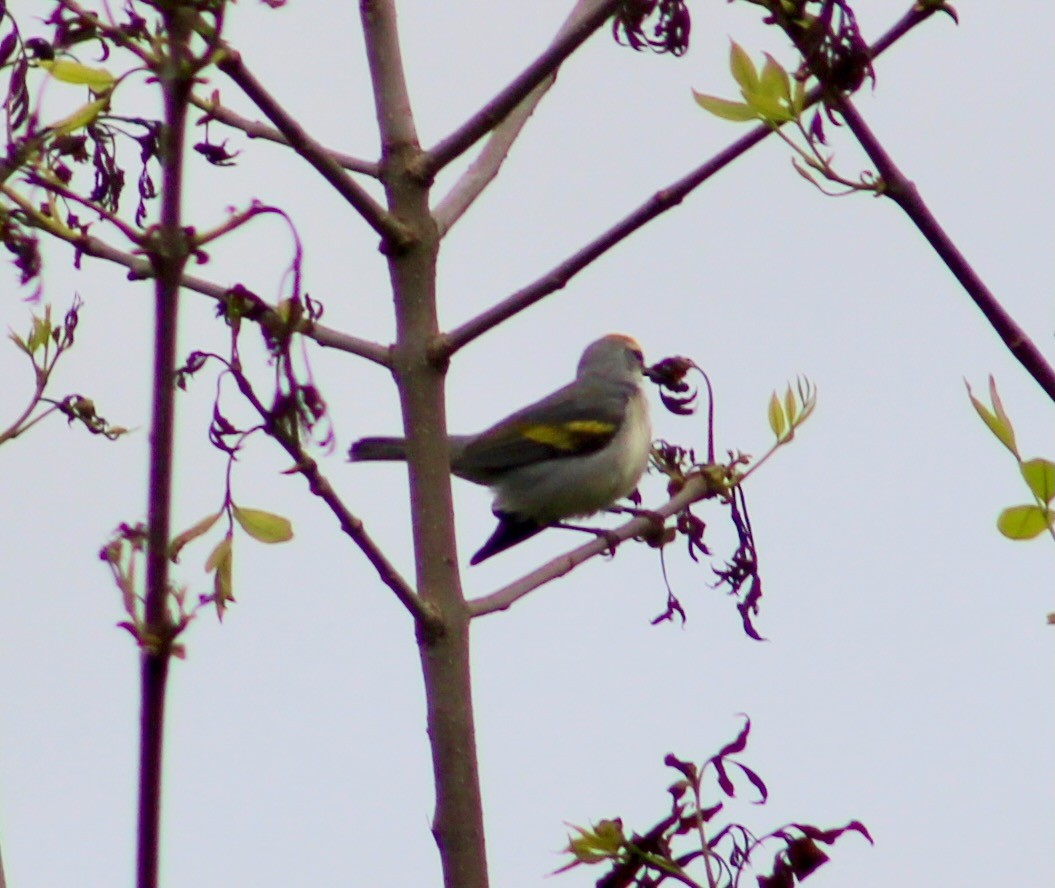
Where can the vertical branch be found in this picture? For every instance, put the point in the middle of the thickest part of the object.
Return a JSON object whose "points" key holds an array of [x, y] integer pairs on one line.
{"points": [[444, 649], [168, 254]]}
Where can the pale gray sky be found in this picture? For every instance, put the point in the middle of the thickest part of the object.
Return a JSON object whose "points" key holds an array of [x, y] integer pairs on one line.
{"points": [[906, 681]]}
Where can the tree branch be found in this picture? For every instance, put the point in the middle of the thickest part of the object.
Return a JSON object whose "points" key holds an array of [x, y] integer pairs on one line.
{"points": [[395, 116], [394, 233], [485, 167], [441, 154], [257, 130], [696, 488], [167, 250], [904, 193], [140, 269], [558, 276], [423, 613]]}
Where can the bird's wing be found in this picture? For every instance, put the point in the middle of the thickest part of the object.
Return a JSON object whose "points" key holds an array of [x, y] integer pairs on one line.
{"points": [[574, 421]]}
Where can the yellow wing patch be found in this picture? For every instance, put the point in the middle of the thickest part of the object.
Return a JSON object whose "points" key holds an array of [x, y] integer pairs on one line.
{"points": [[582, 434]]}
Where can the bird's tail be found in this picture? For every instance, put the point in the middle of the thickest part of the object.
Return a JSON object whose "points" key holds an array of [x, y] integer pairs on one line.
{"points": [[378, 449], [511, 530]]}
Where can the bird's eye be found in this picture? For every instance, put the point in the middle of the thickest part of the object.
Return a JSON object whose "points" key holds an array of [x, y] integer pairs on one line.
{"points": [[640, 355]]}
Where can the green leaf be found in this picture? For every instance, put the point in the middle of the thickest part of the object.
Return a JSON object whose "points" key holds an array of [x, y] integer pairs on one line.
{"points": [[777, 421], [1039, 474], [39, 334], [724, 108], [220, 551], [1025, 522], [742, 68], [791, 407], [774, 80], [74, 72], [767, 107], [81, 117], [267, 527], [997, 421]]}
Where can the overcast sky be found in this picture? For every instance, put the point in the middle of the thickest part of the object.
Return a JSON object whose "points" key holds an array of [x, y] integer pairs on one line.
{"points": [[906, 679]]}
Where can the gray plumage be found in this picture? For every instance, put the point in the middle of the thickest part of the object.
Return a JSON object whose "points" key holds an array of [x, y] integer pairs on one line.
{"points": [[571, 454]]}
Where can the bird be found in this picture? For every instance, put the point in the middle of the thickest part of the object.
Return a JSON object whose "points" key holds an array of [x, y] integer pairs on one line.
{"points": [[569, 455]]}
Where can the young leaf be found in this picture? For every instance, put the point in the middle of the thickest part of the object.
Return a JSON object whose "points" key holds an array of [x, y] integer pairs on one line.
{"points": [[1039, 474], [791, 407], [774, 80], [777, 421], [767, 106], [998, 422], [220, 551], [74, 72], [742, 68], [1024, 522], [81, 117], [191, 533], [737, 112], [267, 527]]}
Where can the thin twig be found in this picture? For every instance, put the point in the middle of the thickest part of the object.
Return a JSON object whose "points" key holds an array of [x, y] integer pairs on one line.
{"points": [[421, 611], [696, 488], [257, 130], [395, 234], [906, 195], [140, 269], [485, 167], [558, 276], [491, 114]]}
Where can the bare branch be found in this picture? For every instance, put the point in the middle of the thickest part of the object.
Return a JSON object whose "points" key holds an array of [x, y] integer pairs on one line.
{"points": [[424, 613], [485, 167], [140, 269], [391, 229], [696, 488], [558, 276], [904, 193], [395, 117], [257, 130], [484, 120]]}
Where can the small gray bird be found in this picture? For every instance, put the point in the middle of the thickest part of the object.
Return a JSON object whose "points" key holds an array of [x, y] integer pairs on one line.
{"points": [[575, 452]]}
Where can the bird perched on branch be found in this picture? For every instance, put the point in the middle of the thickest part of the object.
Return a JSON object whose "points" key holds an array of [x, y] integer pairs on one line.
{"points": [[574, 453]]}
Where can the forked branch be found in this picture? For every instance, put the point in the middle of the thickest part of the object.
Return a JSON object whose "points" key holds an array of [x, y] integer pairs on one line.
{"points": [[696, 488], [391, 229], [485, 167], [558, 276], [491, 114]]}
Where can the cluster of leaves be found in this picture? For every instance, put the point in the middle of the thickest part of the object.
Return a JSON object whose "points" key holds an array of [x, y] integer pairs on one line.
{"points": [[44, 344], [125, 554], [48, 156], [773, 97], [739, 575], [1028, 521], [688, 840]]}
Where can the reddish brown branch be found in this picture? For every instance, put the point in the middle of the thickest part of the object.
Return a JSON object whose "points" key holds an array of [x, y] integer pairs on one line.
{"points": [[696, 488], [140, 269], [491, 114], [391, 229], [420, 610], [558, 276], [257, 130], [904, 193], [168, 253]]}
